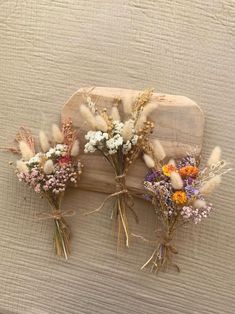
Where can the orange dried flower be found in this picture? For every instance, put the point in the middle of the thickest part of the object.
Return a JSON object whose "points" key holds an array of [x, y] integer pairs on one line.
{"points": [[168, 169], [179, 197], [189, 171]]}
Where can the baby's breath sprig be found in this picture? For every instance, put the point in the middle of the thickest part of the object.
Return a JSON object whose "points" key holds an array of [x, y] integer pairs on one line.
{"points": [[120, 142]]}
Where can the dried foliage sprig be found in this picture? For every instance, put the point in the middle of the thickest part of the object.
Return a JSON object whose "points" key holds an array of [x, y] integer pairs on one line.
{"points": [[120, 142], [177, 191], [49, 172]]}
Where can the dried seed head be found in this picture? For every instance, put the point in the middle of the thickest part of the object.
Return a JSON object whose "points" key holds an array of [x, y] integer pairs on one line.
{"points": [[48, 167], [101, 124], [158, 150], [199, 204], [172, 162], [57, 134], [149, 161], [44, 142], [140, 122], [127, 130], [21, 166], [75, 149], [127, 102], [25, 150], [176, 181], [215, 156], [210, 185], [115, 114], [88, 116], [149, 108]]}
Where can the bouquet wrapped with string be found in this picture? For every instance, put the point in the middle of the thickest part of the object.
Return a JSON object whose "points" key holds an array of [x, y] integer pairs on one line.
{"points": [[120, 142], [49, 173], [178, 192]]}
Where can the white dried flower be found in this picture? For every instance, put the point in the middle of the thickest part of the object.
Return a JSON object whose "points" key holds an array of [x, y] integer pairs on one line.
{"points": [[21, 166], [148, 161], [101, 124], [158, 150], [25, 150], [127, 131], [199, 204], [49, 167], [210, 185], [115, 114], [88, 116], [57, 134], [215, 156], [140, 122], [44, 142], [176, 181], [75, 149], [172, 162], [149, 108]]}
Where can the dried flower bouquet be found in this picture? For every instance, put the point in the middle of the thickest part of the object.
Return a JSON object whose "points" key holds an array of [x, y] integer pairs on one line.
{"points": [[120, 142], [177, 191], [49, 172]]}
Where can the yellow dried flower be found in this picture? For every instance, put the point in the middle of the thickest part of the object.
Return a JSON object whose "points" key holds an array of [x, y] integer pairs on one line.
{"points": [[179, 197], [168, 169]]}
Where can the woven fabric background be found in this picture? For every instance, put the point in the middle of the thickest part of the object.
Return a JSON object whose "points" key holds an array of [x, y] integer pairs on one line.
{"points": [[48, 49]]}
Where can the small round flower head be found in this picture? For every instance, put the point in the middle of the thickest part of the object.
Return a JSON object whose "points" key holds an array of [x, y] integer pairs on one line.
{"points": [[44, 142], [179, 197], [214, 157], [25, 150], [210, 185], [75, 149], [57, 134], [149, 161]]}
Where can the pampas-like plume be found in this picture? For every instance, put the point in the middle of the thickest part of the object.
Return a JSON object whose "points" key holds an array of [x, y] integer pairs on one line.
{"points": [[115, 114], [25, 150], [75, 149], [48, 167], [140, 122], [172, 162], [57, 134], [149, 108], [210, 185], [127, 104], [21, 166], [101, 124], [215, 156], [127, 130], [176, 181], [44, 142], [88, 116], [158, 150], [199, 204], [149, 161]]}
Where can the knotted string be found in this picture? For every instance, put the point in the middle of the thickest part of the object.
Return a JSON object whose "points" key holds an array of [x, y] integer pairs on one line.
{"points": [[55, 214], [120, 189]]}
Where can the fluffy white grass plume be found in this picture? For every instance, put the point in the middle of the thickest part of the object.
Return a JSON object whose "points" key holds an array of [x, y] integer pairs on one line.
{"points": [[199, 204], [57, 134], [88, 116], [148, 161], [25, 150], [44, 142], [48, 167], [75, 149], [158, 150], [21, 166], [210, 185], [101, 124], [172, 162], [115, 114], [127, 130], [127, 102], [176, 181], [140, 122], [215, 156], [149, 108]]}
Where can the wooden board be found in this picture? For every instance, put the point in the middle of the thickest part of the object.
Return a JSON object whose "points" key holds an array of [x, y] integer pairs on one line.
{"points": [[179, 126]]}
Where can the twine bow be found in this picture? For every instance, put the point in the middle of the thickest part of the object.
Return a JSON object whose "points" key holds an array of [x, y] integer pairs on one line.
{"points": [[55, 214]]}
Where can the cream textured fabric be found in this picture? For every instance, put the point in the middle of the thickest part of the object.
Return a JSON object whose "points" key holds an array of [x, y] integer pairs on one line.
{"points": [[49, 49]]}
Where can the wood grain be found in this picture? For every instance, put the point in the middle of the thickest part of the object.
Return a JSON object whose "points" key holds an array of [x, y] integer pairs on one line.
{"points": [[49, 49], [179, 125]]}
